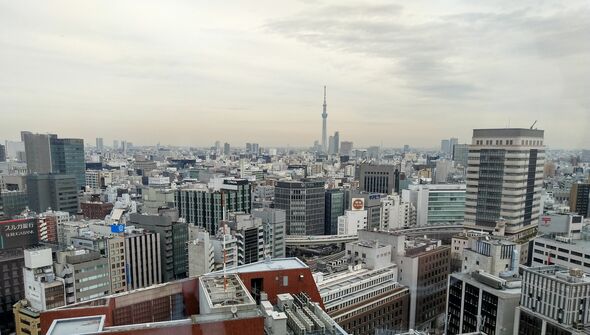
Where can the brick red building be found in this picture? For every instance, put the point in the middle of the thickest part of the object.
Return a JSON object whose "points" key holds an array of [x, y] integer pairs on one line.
{"points": [[96, 210]]}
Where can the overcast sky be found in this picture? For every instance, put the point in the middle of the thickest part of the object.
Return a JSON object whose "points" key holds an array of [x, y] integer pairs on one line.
{"points": [[192, 72]]}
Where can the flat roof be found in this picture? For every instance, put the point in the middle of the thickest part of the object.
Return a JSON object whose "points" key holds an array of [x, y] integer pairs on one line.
{"points": [[504, 293], [345, 278], [508, 132], [272, 265], [80, 326]]}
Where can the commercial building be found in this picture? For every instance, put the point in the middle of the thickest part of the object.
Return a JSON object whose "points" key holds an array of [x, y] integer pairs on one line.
{"points": [[554, 300], [580, 198], [479, 301], [504, 180], [334, 209], [274, 223], [43, 289], [492, 255], [423, 267], [377, 178], [203, 206], [346, 148], [13, 203], [173, 235], [210, 304], [249, 234], [96, 210], [55, 191], [99, 144], [460, 154], [47, 225], [304, 204], [142, 259], [563, 241], [11, 285], [396, 213], [201, 254], [371, 202], [437, 204], [2, 153], [38, 152], [86, 274], [351, 222], [67, 157]]}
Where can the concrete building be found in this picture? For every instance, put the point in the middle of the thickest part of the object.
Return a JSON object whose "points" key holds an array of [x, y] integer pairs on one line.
{"points": [[563, 241], [492, 255], [479, 301], [43, 289], [377, 178], [346, 148], [396, 213], [201, 254], [203, 205], [554, 300], [2, 153], [209, 304], [371, 202], [11, 287], [96, 210], [155, 199], [98, 180], [117, 263], [47, 225], [173, 235], [142, 256], [504, 180], [423, 267], [363, 300], [334, 209], [442, 171], [351, 222], [85, 273], [580, 198], [274, 223], [38, 152], [304, 204], [437, 204], [56, 191], [99, 144], [249, 233]]}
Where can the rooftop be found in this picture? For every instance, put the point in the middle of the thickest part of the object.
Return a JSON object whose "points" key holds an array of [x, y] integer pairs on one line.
{"points": [[346, 278], [80, 326]]}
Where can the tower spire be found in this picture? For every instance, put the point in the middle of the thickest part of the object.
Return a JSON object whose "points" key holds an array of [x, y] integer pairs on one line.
{"points": [[324, 126]]}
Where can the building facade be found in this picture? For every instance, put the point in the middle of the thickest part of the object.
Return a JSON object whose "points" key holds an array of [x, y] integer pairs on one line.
{"points": [[56, 191], [504, 180], [304, 204], [377, 178]]}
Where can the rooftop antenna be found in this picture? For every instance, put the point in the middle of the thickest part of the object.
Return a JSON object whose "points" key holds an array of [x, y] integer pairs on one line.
{"points": [[534, 123]]}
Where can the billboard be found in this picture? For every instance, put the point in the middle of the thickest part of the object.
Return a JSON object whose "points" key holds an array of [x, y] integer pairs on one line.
{"points": [[358, 204], [20, 233], [117, 228]]}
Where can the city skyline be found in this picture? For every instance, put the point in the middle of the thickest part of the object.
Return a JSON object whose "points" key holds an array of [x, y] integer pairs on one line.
{"points": [[398, 73]]}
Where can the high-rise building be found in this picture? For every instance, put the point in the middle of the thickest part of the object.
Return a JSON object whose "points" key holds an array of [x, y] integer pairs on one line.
{"points": [[580, 198], [452, 142], [274, 222], [377, 178], [444, 146], [13, 203], [56, 191], [47, 224], [115, 145], [67, 157], [352, 221], [346, 148], [324, 124], [371, 202], [226, 149], [554, 300], [173, 236], [304, 203], [504, 180], [2, 153], [481, 302], [336, 142], [460, 153], [334, 209], [443, 169], [203, 206], [99, 144], [38, 152], [201, 253], [396, 213]]}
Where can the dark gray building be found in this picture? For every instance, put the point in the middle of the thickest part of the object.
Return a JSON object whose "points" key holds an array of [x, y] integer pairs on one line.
{"points": [[460, 153], [173, 241], [2, 153], [38, 152], [377, 178], [143, 265], [58, 191], [12, 203], [67, 157], [304, 203], [203, 206], [334, 208]]}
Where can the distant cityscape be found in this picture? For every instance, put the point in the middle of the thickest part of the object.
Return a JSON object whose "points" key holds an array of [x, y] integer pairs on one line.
{"points": [[487, 235]]}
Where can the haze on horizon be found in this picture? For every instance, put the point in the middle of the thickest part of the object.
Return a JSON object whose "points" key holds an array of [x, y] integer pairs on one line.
{"points": [[192, 72]]}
